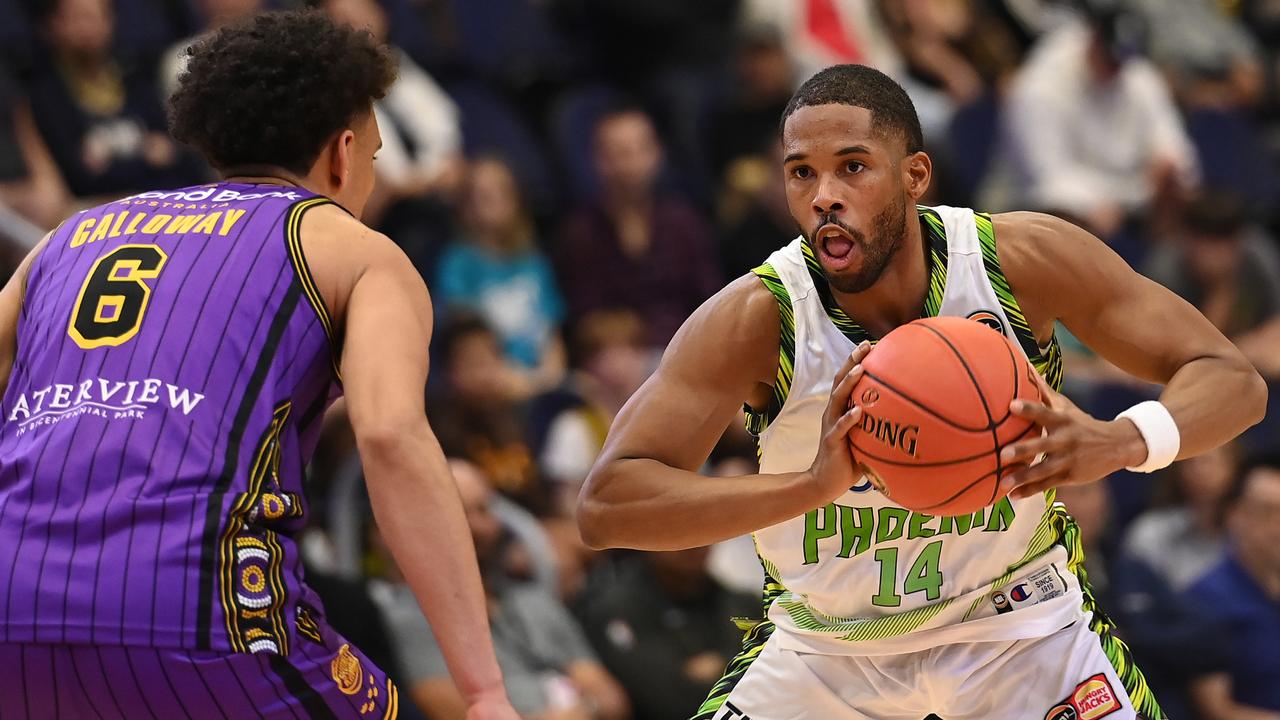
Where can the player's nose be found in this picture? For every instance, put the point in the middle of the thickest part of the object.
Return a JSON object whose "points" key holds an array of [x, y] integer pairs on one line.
{"points": [[826, 198]]}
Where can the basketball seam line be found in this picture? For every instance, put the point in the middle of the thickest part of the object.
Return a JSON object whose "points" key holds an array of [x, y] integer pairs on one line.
{"points": [[925, 408], [986, 408]]}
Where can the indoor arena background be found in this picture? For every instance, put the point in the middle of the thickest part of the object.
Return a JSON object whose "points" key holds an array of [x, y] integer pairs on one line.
{"points": [[573, 177]]}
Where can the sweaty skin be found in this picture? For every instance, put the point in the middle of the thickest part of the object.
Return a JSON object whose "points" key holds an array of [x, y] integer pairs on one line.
{"points": [[644, 491]]}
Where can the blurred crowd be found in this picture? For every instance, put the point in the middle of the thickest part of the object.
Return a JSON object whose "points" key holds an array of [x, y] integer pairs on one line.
{"points": [[573, 177]]}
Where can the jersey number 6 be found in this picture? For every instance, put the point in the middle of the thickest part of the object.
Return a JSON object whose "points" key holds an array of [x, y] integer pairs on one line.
{"points": [[114, 296]]}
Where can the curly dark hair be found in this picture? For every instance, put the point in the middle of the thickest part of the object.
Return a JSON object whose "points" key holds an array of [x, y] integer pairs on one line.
{"points": [[273, 89], [864, 87]]}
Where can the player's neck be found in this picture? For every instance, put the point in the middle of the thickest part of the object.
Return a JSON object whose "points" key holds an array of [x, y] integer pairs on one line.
{"points": [[897, 297], [262, 175]]}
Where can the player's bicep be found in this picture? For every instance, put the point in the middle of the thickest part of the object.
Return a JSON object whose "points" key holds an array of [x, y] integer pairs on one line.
{"points": [[722, 354], [384, 355], [1067, 274]]}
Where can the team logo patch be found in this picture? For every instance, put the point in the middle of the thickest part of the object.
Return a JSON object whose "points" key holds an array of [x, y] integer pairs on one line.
{"points": [[1001, 602], [988, 318], [346, 671], [1094, 698], [1061, 711]]}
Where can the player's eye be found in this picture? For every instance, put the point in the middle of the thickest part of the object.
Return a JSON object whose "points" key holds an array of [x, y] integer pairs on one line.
{"points": [[801, 172], [855, 167]]}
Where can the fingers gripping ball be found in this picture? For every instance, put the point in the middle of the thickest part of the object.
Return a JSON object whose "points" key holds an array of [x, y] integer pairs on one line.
{"points": [[935, 400]]}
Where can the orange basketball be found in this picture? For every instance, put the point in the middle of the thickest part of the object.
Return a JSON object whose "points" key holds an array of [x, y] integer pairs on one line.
{"points": [[935, 400]]}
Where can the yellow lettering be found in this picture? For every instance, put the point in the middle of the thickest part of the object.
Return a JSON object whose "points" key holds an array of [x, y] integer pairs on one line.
{"points": [[229, 220], [208, 225], [104, 226], [82, 232], [115, 229], [133, 224], [182, 224], [156, 222]]}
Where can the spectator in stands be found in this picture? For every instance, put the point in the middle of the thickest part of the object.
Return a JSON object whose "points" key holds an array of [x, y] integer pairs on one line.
{"points": [[103, 124], [477, 414], [1092, 129], [753, 216], [636, 248], [1183, 541], [611, 361], [548, 667], [1229, 269], [419, 167], [214, 14], [747, 119], [1210, 56], [1243, 595], [496, 269], [1171, 640], [29, 180], [662, 626]]}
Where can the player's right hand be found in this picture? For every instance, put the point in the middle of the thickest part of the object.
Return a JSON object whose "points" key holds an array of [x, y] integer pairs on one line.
{"points": [[833, 470]]}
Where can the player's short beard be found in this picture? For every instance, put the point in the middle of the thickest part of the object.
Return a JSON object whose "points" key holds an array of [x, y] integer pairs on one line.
{"points": [[889, 228]]}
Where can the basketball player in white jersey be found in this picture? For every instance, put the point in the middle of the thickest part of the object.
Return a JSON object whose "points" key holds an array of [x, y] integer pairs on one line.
{"points": [[871, 611]]}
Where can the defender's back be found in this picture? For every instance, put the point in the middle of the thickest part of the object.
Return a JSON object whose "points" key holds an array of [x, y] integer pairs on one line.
{"points": [[173, 362]]}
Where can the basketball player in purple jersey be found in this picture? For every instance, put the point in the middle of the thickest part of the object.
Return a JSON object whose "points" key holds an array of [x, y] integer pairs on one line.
{"points": [[167, 359]]}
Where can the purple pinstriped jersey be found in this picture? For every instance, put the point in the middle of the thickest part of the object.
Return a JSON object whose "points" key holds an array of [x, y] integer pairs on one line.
{"points": [[174, 361]]}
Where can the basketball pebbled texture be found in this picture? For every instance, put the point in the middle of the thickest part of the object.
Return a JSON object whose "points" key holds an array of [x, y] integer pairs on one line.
{"points": [[935, 397]]}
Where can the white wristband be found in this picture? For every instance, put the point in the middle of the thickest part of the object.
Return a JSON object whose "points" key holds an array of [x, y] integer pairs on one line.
{"points": [[1158, 431]]}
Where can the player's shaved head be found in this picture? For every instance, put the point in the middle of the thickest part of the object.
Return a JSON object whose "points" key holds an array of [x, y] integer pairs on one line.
{"points": [[860, 86]]}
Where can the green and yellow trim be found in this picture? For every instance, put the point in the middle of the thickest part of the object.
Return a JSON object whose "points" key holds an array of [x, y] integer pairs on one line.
{"points": [[1048, 360], [293, 239], [758, 420]]}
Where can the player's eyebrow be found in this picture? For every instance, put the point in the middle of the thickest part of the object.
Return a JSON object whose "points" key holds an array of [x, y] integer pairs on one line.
{"points": [[851, 150]]}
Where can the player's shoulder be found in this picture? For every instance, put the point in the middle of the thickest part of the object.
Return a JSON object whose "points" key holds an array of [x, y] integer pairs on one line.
{"points": [[1030, 241]]}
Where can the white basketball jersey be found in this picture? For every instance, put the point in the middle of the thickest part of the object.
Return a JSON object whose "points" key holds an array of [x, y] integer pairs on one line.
{"points": [[863, 576]]}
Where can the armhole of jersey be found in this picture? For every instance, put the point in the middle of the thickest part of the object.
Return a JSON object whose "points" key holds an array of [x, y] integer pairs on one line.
{"points": [[758, 420], [1048, 360], [293, 239]]}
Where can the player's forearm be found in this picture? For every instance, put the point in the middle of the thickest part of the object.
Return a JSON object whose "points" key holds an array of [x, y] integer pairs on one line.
{"points": [[1213, 400], [420, 516], [644, 504]]}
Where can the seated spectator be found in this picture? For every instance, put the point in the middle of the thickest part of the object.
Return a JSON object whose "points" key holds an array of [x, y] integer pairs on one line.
{"points": [[29, 180], [419, 166], [476, 414], [636, 248], [1092, 128], [1183, 541], [662, 626], [549, 669], [104, 126], [213, 14], [747, 120], [610, 362], [1171, 641], [753, 217], [496, 270], [1243, 595], [1229, 268]]}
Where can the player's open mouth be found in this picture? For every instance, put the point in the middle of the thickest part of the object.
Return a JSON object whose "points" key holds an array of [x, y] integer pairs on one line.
{"points": [[836, 246]]}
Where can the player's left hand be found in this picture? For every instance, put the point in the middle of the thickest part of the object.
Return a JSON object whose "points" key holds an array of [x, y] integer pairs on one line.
{"points": [[1077, 447]]}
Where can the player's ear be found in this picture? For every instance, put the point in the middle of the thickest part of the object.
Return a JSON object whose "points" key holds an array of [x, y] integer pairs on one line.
{"points": [[917, 171], [342, 158]]}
